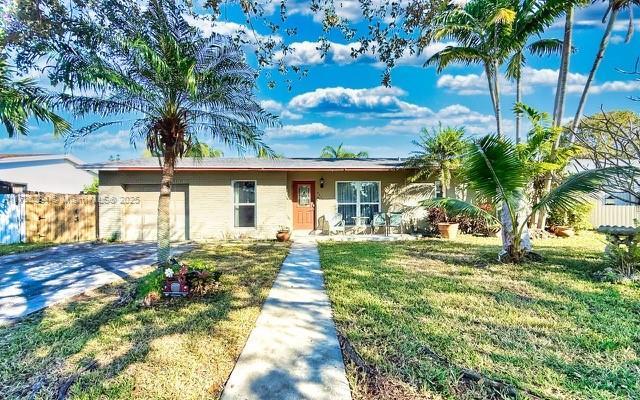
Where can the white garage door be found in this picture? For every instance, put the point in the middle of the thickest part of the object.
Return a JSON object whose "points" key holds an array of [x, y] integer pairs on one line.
{"points": [[141, 212]]}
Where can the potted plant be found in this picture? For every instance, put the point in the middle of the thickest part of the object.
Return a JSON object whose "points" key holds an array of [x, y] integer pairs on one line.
{"points": [[448, 230], [284, 233]]}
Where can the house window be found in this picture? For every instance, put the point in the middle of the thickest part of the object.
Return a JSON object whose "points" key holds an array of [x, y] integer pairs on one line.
{"points": [[439, 192], [620, 199], [357, 200], [244, 204]]}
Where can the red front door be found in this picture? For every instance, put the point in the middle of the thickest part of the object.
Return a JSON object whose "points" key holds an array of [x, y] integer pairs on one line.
{"points": [[304, 205]]}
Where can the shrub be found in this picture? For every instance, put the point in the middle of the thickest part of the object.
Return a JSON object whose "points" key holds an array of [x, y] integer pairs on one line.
{"points": [[149, 287], [577, 218], [435, 216], [468, 225], [202, 279], [622, 254]]}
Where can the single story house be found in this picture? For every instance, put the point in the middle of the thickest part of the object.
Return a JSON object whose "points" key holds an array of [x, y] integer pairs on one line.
{"points": [[215, 198], [615, 206], [53, 173]]}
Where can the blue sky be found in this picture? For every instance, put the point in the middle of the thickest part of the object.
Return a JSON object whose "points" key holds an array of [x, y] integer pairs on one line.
{"points": [[341, 100]]}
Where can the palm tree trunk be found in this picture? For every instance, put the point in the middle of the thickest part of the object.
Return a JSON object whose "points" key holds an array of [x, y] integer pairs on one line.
{"points": [[518, 100], [497, 97], [164, 225], [443, 182], [492, 81], [558, 108], [604, 43], [515, 243], [561, 89]]}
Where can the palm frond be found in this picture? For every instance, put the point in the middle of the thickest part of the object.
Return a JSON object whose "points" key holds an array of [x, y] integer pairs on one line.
{"points": [[455, 207], [494, 170], [504, 16], [455, 54], [515, 65], [546, 47], [579, 188]]}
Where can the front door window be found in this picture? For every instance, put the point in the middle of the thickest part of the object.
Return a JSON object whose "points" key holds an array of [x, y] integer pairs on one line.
{"points": [[304, 195]]}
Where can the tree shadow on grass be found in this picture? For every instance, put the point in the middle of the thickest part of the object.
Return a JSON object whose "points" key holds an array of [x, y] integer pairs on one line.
{"points": [[46, 347], [597, 311]]}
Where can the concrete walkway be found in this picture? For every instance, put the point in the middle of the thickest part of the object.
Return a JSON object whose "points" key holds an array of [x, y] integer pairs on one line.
{"points": [[293, 352]]}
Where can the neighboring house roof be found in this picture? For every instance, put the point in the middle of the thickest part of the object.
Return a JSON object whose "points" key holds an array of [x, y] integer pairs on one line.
{"points": [[258, 164], [11, 158], [8, 155]]}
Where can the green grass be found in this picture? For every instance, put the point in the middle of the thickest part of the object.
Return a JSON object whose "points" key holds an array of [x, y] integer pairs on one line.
{"points": [[178, 349], [22, 247], [547, 328]]}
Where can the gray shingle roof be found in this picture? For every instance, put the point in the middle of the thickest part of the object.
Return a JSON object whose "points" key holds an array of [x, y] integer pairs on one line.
{"points": [[279, 164]]}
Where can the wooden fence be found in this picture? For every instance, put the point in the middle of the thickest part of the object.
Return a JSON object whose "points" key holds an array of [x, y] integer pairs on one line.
{"points": [[60, 218]]}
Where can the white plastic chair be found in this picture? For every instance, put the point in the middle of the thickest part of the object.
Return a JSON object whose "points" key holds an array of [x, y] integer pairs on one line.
{"points": [[335, 223]]}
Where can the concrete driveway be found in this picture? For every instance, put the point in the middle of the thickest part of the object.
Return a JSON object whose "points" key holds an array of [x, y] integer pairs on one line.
{"points": [[34, 280]]}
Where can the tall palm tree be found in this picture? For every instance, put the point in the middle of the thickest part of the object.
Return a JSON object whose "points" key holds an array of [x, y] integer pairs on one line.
{"points": [[439, 153], [179, 86], [612, 12], [498, 174], [488, 33], [516, 63], [340, 152], [21, 99]]}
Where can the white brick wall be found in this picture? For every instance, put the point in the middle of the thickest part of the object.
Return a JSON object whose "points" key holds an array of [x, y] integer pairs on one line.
{"points": [[210, 198]]}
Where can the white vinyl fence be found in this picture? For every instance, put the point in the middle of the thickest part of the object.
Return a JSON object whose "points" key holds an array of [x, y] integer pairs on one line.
{"points": [[621, 215]]}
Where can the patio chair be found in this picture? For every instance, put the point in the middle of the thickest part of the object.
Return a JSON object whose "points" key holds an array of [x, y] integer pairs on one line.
{"points": [[395, 221], [335, 223], [378, 220]]}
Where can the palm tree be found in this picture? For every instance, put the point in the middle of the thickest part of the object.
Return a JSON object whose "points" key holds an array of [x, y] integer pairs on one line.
{"points": [[21, 99], [179, 86], [614, 8], [339, 152], [196, 150], [498, 174], [515, 65], [439, 153], [489, 32], [563, 71], [612, 11], [203, 150]]}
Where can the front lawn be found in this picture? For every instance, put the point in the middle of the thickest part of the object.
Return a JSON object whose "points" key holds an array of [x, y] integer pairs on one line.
{"points": [[22, 247], [430, 314], [104, 345]]}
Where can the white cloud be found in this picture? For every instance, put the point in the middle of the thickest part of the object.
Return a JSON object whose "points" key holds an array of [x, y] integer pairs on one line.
{"points": [[617, 39], [302, 131], [475, 84], [278, 108], [345, 9], [301, 53], [606, 87], [47, 143], [226, 28], [378, 102], [105, 140], [310, 53], [33, 144], [464, 85], [452, 115]]}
